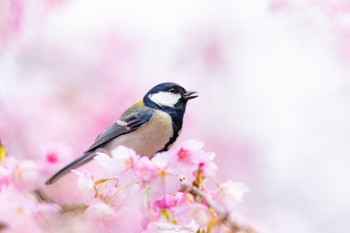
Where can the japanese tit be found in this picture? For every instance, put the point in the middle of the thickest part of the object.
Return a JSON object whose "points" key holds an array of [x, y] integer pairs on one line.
{"points": [[151, 125]]}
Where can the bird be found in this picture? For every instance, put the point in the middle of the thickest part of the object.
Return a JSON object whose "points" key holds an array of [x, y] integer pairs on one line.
{"points": [[149, 126]]}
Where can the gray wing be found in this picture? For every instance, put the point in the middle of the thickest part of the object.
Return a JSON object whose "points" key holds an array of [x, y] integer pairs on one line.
{"points": [[131, 120], [126, 124]]}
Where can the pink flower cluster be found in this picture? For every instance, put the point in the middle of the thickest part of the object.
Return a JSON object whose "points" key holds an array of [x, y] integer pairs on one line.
{"points": [[131, 194], [138, 194], [20, 207]]}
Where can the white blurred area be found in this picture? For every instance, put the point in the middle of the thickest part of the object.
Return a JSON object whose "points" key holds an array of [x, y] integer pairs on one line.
{"points": [[272, 75]]}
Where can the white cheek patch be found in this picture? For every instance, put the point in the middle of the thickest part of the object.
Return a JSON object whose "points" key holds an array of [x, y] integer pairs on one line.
{"points": [[165, 98]]}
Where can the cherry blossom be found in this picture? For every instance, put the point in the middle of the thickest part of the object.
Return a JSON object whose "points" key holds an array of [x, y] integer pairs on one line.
{"points": [[127, 192]]}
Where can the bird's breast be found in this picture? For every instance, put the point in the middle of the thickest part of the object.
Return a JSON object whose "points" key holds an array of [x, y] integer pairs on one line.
{"points": [[150, 137]]}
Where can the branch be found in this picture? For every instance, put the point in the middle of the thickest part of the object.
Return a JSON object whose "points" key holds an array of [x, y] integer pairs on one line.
{"points": [[3, 226], [41, 196], [222, 215]]}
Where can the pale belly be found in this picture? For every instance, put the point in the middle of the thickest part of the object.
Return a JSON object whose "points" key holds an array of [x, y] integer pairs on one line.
{"points": [[148, 139]]}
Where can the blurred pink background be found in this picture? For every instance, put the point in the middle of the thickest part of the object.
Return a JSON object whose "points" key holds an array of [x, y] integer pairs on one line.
{"points": [[273, 79]]}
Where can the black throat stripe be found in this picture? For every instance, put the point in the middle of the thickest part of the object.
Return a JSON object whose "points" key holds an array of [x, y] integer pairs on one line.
{"points": [[171, 140], [177, 119]]}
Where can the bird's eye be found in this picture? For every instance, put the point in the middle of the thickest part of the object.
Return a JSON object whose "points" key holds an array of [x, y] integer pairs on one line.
{"points": [[172, 90]]}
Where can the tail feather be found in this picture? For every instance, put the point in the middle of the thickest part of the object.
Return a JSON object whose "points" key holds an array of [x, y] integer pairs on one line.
{"points": [[86, 157]]}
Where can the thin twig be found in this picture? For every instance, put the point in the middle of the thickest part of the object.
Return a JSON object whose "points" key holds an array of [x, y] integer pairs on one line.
{"points": [[222, 215], [42, 197], [80, 208], [3, 226]]}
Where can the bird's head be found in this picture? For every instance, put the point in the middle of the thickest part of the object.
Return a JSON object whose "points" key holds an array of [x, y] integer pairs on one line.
{"points": [[168, 96]]}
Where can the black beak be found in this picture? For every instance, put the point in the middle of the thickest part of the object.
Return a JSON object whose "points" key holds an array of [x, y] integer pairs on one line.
{"points": [[190, 95]]}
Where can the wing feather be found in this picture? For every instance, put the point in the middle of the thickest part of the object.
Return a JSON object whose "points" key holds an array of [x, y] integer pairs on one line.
{"points": [[134, 117], [130, 122]]}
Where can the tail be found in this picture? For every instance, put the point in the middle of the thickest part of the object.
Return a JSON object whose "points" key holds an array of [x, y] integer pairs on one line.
{"points": [[86, 157]]}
